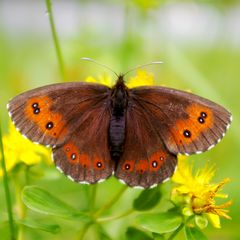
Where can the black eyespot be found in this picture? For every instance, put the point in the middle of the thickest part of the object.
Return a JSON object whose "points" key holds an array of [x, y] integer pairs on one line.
{"points": [[49, 125], [35, 105], [73, 156], [127, 166], [201, 120], [161, 158], [99, 164], [203, 114], [187, 133], [36, 111], [154, 164]]}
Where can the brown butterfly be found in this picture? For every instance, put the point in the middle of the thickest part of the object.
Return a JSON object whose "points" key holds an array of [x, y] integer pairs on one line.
{"points": [[96, 131]]}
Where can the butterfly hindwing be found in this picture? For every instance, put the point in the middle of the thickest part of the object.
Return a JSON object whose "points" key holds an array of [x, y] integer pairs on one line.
{"points": [[186, 123], [48, 115], [145, 161], [85, 157]]}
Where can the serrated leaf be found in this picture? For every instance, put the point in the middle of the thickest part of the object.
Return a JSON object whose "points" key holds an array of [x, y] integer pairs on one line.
{"points": [[42, 201], [159, 222], [136, 234], [147, 199], [193, 233], [52, 228]]}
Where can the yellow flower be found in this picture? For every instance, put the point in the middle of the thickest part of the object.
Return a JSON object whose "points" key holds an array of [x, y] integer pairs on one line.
{"points": [[18, 149], [102, 79], [197, 194], [142, 78]]}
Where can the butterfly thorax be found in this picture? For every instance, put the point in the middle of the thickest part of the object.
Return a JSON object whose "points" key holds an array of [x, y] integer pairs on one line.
{"points": [[117, 122]]}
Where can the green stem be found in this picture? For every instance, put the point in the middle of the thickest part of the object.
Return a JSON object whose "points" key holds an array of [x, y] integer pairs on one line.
{"points": [[7, 191], [173, 235], [55, 39], [93, 197], [20, 233], [111, 202], [84, 230], [180, 227], [22, 210], [127, 213]]}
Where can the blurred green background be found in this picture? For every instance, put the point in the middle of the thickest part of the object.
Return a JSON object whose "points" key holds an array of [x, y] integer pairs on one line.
{"points": [[198, 41]]}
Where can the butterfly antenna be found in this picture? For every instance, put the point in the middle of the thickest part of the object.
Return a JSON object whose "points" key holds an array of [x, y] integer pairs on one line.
{"points": [[141, 66], [100, 64]]}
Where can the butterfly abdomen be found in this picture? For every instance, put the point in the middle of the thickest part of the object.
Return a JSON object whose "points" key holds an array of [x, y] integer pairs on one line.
{"points": [[116, 135], [117, 122]]}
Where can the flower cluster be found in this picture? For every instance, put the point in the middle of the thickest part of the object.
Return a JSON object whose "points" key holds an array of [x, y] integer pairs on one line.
{"points": [[142, 78], [196, 195], [18, 149]]}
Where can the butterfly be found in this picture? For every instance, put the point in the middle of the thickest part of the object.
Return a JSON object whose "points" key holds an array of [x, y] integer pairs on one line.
{"points": [[133, 133]]}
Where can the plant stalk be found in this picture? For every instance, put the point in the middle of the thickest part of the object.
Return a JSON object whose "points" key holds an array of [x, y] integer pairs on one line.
{"points": [[55, 39], [111, 202], [7, 191]]}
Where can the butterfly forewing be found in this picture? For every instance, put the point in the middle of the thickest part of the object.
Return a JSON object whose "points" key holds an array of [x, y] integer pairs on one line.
{"points": [[48, 115], [185, 122]]}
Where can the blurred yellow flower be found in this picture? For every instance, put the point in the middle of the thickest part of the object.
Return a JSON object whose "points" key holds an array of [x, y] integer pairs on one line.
{"points": [[102, 79], [142, 78], [18, 149], [198, 194]]}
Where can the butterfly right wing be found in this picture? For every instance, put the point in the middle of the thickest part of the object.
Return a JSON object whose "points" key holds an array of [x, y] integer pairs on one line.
{"points": [[187, 123], [145, 161]]}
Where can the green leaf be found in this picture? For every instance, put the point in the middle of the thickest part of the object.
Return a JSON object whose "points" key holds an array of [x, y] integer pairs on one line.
{"points": [[157, 236], [42, 201], [102, 233], [147, 199], [104, 236], [194, 233], [135, 234], [160, 222], [52, 228]]}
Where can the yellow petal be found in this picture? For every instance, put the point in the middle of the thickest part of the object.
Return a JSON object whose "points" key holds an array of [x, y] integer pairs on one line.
{"points": [[91, 79], [142, 78], [18, 149], [104, 79], [214, 219]]}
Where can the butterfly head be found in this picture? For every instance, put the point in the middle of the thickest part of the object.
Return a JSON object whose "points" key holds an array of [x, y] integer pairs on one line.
{"points": [[119, 92]]}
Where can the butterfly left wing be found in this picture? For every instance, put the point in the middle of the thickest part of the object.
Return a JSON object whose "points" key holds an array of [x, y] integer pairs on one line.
{"points": [[186, 123], [73, 119], [145, 161], [84, 157]]}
